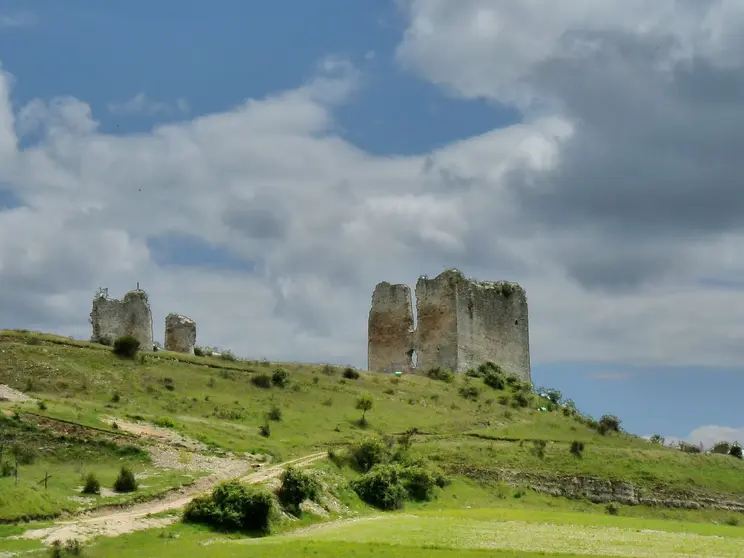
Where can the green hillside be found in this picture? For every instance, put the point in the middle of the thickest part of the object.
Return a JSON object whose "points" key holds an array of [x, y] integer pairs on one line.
{"points": [[171, 418]]}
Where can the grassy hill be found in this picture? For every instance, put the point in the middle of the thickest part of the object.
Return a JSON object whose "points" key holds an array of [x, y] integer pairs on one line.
{"points": [[504, 447]]}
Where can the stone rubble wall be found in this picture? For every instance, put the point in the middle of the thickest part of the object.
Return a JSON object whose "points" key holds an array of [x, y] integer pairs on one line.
{"points": [[180, 334], [112, 318]]}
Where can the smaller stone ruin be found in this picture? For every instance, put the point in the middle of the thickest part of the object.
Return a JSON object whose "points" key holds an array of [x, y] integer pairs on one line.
{"points": [[112, 318], [180, 334]]}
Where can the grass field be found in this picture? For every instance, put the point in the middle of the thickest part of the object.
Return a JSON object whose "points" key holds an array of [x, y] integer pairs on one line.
{"points": [[449, 532], [479, 438]]}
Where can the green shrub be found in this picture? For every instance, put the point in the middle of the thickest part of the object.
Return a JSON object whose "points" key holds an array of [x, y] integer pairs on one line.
{"points": [[612, 508], [351, 374], [607, 424], [275, 414], [370, 452], [521, 399], [296, 487], [23, 453], [469, 392], [441, 375], [198, 351], [538, 448], [126, 346], [382, 487], [164, 422], [265, 430], [6, 469], [554, 395], [280, 377], [420, 483], [261, 380], [735, 451], [494, 380], [168, 384], [125, 482], [116, 397], [233, 507], [92, 485], [577, 448], [328, 370]]}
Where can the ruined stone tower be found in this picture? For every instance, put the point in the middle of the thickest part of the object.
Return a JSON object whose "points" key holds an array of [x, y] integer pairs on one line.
{"points": [[180, 334], [461, 323], [112, 318]]}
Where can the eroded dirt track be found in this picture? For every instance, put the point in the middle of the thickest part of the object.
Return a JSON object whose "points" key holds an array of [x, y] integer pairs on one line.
{"points": [[111, 523]]}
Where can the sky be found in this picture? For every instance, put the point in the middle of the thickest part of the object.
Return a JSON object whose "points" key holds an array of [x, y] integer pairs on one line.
{"points": [[260, 166]]}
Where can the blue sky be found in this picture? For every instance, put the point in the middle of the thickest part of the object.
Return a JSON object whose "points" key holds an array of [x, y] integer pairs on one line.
{"points": [[196, 58]]}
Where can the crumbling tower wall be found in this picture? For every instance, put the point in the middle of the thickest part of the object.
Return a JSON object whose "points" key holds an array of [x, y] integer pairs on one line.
{"points": [[180, 334], [112, 318], [390, 328], [492, 325], [436, 317], [461, 323]]}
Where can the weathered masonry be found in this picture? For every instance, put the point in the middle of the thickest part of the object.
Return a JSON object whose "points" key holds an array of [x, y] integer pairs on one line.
{"points": [[461, 323], [180, 334], [112, 318]]}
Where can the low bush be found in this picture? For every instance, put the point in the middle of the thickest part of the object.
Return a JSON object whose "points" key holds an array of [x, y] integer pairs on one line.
{"points": [[370, 452], [494, 380], [736, 451], [382, 487], [351, 374], [126, 346], [521, 399], [164, 422], [538, 448], [612, 508], [265, 430], [168, 384], [297, 486], [280, 377], [92, 485], [577, 448], [441, 375], [24, 454], [233, 507], [275, 414], [125, 482], [608, 424], [420, 483], [469, 392], [261, 380]]}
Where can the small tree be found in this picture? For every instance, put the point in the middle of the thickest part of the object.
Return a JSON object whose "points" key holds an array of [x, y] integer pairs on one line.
{"points": [[608, 423], [577, 448], [125, 482], [364, 403], [92, 485], [657, 439], [721, 447], [736, 451]]}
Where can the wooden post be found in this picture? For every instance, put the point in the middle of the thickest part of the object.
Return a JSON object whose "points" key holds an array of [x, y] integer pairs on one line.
{"points": [[45, 480]]}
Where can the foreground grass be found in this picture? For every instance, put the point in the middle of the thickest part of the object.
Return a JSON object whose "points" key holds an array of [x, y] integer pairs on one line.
{"points": [[447, 532]]}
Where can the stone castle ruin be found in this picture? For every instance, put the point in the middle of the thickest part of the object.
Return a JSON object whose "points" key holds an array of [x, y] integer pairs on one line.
{"points": [[180, 334], [112, 318], [461, 323]]}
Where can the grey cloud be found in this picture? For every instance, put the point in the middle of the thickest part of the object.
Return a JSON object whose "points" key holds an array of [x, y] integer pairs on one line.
{"points": [[656, 156], [255, 222]]}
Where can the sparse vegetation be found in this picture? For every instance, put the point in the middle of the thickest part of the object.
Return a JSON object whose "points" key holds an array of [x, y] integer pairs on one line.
{"points": [[275, 414]]}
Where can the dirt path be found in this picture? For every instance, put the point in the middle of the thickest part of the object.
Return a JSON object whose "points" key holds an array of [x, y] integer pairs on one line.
{"points": [[111, 523]]}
